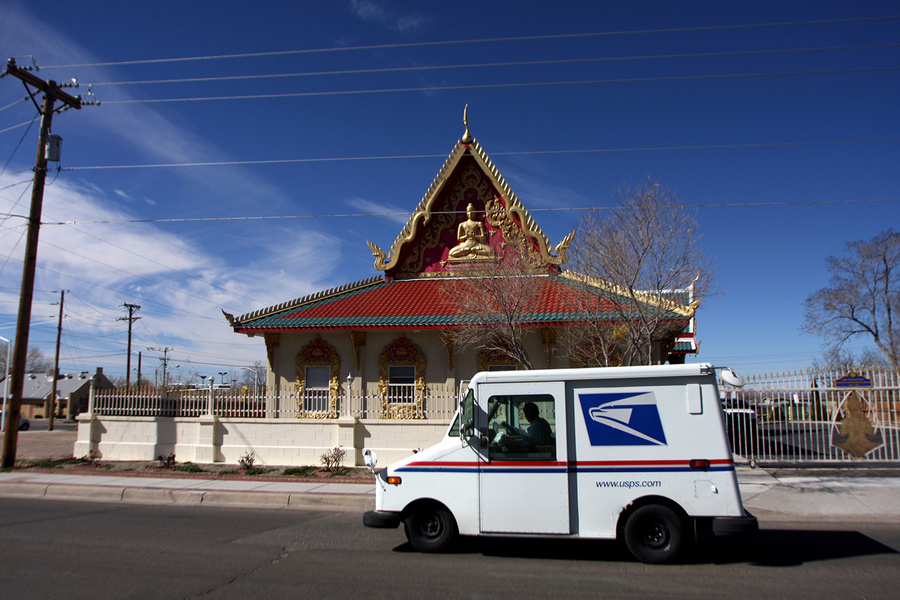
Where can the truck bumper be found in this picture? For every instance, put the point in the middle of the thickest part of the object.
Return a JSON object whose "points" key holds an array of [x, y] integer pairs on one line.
{"points": [[381, 519], [745, 525]]}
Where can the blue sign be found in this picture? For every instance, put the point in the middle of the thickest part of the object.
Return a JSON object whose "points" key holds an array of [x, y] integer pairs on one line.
{"points": [[853, 380], [622, 419]]}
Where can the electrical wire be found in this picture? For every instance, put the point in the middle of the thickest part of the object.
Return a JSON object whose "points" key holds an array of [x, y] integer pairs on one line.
{"points": [[524, 63], [485, 86], [480, 41], [229, 163], [393, 214]]}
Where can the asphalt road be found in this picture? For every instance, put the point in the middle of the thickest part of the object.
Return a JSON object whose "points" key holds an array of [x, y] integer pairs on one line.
{"points": [[54, 549]]}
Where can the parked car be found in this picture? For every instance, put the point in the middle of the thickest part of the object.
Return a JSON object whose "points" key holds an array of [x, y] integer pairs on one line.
{"points": [[24, 424], [743, 425]]}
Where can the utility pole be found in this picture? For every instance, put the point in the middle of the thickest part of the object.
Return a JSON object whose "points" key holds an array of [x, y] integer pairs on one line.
{"points": [[164, 359], [52, 93], [52, 411], [131, 319]]}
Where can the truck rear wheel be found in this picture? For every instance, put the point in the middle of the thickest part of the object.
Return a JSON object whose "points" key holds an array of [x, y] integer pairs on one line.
{"points": [[655, 534], [430, 529]]}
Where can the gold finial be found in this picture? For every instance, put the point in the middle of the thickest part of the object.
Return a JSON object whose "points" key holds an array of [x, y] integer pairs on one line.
{"points": [[466, 138]]}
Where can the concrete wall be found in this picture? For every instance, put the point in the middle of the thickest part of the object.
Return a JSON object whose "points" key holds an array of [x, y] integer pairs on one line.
{"points": [[272, 441]]}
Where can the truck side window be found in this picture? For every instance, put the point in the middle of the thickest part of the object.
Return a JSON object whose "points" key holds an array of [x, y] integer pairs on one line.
{"points": [[522, 427]]}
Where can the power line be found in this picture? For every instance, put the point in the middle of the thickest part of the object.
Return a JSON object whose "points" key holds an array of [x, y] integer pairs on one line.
{"points": [[525, 63], [228, 163], [393, 214], [445, 88], [479, 41]]}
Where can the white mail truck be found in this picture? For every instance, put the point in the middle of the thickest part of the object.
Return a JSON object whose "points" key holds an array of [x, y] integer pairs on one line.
{"points": [[639, 454]]}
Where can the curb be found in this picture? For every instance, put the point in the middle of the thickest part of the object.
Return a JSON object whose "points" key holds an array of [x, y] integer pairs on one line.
{"points": [[162, 496]]}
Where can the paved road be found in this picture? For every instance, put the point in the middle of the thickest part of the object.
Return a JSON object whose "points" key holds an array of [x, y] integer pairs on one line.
{"points": [[53, 549]]}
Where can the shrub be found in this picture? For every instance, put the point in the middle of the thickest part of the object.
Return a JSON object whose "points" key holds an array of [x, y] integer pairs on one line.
{"points": [[333, 459], [247, 461], [166, 462]]}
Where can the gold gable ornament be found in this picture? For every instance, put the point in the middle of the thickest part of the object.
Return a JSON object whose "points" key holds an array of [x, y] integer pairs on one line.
{"points": [[502, 208]]}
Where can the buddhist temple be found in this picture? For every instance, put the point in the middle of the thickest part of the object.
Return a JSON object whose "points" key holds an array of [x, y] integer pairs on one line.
{"points": [[390, 336]]}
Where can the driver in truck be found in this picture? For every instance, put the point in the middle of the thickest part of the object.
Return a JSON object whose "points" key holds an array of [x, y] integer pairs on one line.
{"points": [[538, 432]]}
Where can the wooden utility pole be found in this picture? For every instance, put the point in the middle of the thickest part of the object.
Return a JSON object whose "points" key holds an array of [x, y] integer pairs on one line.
{"points": [[52, 412], [52, 93], [131, 319]]}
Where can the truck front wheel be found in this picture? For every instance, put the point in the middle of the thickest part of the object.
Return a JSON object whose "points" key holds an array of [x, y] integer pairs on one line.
{"points": [[655, 534], [430, 529]]}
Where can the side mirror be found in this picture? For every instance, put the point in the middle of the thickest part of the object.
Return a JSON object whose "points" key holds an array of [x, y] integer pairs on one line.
{"points": [[732, 378], [371, 459]]}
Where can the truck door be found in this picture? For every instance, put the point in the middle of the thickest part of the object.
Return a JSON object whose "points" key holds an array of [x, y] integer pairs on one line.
{"points": [[523, 482]]}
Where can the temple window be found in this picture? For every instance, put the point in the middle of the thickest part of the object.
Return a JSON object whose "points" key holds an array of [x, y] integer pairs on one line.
{"points": [[318, 387], [401, 380], [316, 391], [402, 383]]}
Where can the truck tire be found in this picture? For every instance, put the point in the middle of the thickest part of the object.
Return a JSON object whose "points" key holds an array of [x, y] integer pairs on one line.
{"points": [[655, 534], [430, 529]]}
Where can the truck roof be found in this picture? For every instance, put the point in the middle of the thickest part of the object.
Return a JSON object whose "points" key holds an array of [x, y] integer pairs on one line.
{"points": [[537, 375]]}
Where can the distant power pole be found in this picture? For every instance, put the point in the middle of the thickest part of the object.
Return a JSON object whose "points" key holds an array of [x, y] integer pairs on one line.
{"points": [[131, 319], [52, 93], [52, 411], [164, 359]]}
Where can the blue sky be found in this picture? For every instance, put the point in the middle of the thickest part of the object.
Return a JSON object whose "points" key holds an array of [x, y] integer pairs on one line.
{"points": [[777, 120]]}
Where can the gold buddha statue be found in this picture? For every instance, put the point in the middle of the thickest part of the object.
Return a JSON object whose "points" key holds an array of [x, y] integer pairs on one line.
{"points": [[472, 237]]}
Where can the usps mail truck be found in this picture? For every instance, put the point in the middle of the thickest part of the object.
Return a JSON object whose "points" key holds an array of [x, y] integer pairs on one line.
{"points": [[638, 454]]}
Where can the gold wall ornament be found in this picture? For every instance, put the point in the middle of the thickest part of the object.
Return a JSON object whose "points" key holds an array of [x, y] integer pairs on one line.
{"points": [[402, 352], [855, 433], [318, 353], [358, 338], [548, 336], [272, 340]]}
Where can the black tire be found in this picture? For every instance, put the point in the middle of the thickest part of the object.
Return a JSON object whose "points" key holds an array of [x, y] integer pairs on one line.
{"points": [[24, 427], [430, 529], [655, 534]]}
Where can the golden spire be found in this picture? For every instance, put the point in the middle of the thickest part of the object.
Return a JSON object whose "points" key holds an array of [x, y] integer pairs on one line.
{"points": [[466, 138]]}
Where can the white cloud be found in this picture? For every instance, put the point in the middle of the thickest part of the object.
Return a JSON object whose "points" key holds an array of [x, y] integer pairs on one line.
{"points": [[376, 13], [395, 214]]}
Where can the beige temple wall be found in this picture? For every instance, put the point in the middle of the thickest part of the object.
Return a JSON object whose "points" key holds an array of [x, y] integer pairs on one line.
{"points": [[370, 344], [295, 442]]}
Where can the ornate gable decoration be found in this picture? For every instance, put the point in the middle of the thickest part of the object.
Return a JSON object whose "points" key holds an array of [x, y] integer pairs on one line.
{"points": [[468, 215]]}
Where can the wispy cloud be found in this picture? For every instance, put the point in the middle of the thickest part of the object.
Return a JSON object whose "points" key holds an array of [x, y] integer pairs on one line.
{"points": [[393, 19]]}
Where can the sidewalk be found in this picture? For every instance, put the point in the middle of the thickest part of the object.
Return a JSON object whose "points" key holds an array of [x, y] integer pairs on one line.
{"points": [[803, 494], [153, 490], [792, 495]]}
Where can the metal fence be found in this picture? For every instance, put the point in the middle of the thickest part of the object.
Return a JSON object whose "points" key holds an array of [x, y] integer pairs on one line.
{"points": [[828, 416], [439, 404]]}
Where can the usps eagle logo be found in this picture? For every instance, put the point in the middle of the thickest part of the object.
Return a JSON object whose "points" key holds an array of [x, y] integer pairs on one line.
{"points": [[622, 419]]}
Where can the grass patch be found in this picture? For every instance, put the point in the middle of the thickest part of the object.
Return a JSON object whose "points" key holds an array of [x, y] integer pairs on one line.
{"points": [[188, 467], [257, 471], [301, 471], [230, 472]]}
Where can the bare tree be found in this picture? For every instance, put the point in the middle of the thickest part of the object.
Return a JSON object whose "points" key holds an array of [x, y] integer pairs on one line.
{"points": [[863, 298], [494, 299], [643, 258], [35, 362]]}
